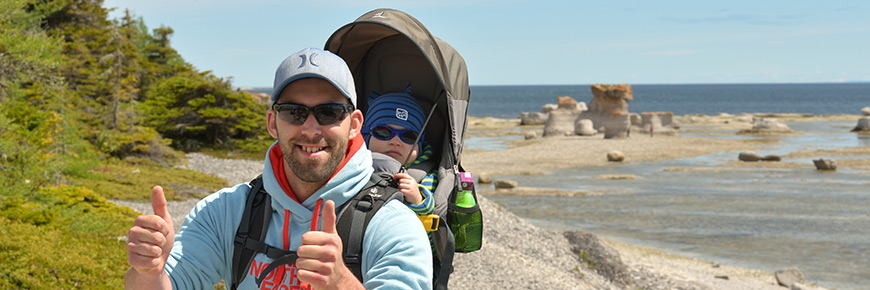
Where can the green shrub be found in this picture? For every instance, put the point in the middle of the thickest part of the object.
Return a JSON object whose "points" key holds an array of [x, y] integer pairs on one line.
{"points": [[85, 211], [47, 257], [19, 210], [200, 109], [134, 178], [62, 238]]}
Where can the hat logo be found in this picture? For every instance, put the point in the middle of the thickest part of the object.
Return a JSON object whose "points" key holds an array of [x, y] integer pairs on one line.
{"points": [[402, 114], [306, 58]]}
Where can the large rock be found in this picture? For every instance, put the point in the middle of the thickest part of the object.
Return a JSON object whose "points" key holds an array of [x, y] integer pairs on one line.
{"points": [[504, 183], [863, 125], [484, 177], [788, 276], [568, 103], [528, 135], [611, 99], [560, 123], [609, 109], [636, 119], [749, 156], [618, 91], [583, 127], [600, 257], [617, 126], [549, 108], [771, 157], [662, 123], [615, 156], [825, 164], [527, 118], [767, 126]]}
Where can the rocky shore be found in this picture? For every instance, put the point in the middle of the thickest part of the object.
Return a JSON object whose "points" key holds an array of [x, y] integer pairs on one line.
{"points": [[517, 254]]}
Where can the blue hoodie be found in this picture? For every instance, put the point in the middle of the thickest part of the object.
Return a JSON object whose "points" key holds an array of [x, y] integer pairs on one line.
{"points": [[395, 253]]}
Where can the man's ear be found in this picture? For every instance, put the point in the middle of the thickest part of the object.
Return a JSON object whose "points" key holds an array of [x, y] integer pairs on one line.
{"points": [[356, 121], [272, 123]]}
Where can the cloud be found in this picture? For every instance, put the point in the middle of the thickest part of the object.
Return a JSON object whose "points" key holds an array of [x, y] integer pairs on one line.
{"points": [[671, 52]]}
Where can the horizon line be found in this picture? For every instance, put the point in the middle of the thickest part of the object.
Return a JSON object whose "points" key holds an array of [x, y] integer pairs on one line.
{"points": [[246, 88]]}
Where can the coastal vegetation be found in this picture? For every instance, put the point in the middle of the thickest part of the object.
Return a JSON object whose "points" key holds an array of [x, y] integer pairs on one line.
{"points": [[93, 109]]}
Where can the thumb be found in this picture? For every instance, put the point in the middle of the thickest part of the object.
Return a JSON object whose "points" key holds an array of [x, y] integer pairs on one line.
{"points": [[328, 214], [158, 203]]}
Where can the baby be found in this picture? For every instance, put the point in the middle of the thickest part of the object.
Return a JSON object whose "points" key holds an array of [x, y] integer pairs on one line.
{"points": [[392, 125]]}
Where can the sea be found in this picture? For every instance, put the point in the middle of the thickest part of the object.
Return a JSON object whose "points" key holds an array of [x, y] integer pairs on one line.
{"points": [[708, 99], [765, 219]]}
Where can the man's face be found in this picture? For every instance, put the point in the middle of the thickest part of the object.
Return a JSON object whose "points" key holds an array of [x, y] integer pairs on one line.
{"points": [[313, 151]]}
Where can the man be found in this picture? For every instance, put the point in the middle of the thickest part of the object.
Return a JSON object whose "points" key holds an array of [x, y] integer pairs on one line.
{"points": [[319, 156]]}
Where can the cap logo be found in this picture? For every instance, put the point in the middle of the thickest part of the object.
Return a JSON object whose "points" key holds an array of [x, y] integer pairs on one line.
{"points": [[309, 60], [402, 114], [379, 15]]}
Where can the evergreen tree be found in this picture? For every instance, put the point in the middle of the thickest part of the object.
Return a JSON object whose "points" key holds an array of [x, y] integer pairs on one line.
{"points": [[199, 108], [35, 145]]}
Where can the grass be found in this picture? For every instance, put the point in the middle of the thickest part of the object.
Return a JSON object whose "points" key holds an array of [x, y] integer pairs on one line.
{"points": [[134, 180], [584, 255], [72, 236]]}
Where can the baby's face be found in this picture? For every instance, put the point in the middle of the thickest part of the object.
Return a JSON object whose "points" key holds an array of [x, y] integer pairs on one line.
{"points": [[394, 147]]}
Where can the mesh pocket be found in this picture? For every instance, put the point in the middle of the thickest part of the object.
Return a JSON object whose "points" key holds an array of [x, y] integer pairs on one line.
{"points": [[467, 228]]}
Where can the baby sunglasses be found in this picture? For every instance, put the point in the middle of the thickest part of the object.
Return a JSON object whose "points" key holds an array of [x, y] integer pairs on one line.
{"points": [[385, 133], [325, 114]]}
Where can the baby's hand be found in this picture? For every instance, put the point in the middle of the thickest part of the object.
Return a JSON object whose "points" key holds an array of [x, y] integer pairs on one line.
{"points": [[409, 188]]}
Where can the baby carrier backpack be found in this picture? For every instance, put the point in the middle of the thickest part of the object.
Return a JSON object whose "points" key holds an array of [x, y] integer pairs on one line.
{"points": [[385, 49]]}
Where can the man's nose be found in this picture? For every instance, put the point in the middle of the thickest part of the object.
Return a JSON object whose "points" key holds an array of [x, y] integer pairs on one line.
{"points": [[310, 126]]}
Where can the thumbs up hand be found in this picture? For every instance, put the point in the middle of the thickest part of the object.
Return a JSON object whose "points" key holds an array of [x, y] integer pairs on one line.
{"points": [[150, 239], [320, 262]]}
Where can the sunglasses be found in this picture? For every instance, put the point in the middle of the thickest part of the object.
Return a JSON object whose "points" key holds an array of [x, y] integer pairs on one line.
{"points": [[385, 133], [325, 114]]}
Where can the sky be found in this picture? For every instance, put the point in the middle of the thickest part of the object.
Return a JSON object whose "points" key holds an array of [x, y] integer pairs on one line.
{"points": [[517, 42]]}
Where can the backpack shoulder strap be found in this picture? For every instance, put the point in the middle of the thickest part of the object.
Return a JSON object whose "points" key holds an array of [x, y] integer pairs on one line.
{"points": [[252, 232], [444, 267], [356, 214], [254, 220]]}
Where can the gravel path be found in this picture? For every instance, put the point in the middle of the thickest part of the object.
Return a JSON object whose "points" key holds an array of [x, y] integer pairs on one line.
{"points": [[234, 171], [519, 255]]}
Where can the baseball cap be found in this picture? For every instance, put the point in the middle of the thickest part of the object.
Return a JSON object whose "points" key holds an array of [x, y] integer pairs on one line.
{"points": [[314, 63]]}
